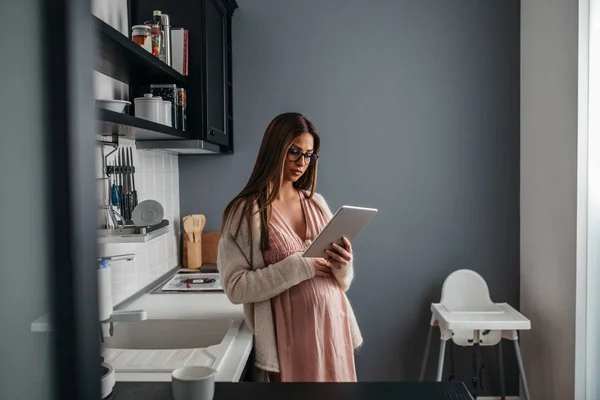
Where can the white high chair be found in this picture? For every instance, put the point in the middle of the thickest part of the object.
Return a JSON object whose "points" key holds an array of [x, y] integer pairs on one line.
{"points": [[467, 315]]}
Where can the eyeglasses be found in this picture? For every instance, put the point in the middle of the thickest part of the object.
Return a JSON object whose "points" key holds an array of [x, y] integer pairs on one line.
{"points": [[309, 158]]}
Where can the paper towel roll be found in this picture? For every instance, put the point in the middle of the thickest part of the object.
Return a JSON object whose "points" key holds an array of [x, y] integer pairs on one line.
{"points": [[105, 293]]}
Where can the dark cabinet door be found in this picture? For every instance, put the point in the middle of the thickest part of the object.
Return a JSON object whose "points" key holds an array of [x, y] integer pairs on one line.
{"points": [[229, 83], [215, 34]]}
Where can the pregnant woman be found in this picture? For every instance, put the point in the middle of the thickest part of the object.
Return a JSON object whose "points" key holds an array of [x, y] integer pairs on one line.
{"points": [[304, 327]]}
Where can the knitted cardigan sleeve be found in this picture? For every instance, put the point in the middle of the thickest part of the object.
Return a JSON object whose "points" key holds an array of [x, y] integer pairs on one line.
{"points": [[245, 282]]}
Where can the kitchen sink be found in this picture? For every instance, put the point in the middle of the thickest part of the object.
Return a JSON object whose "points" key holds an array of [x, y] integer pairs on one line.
{"points": [[158, 334], [161, 345]]}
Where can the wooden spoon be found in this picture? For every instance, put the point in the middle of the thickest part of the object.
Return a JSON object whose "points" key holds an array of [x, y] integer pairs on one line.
{"points": [[188, 227], [199, 222], [202, 221]]}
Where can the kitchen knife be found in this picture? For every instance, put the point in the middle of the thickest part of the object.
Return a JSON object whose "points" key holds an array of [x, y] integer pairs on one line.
{"points": [[125, 186], [120, 178], [114, 190], [134, 199], [124, 164], [129, 183]]}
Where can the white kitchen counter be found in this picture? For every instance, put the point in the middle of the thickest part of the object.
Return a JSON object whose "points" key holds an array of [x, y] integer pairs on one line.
{"points": [[200, 305]]}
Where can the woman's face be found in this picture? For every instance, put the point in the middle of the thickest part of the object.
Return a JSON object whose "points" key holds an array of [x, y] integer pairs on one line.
{"points": [[298, 157]]}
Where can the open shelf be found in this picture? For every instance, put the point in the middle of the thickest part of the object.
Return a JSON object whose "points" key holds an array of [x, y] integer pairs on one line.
{"points": [[122, 59], [135, 128], [149, 135], [131, 234], [182, 147]]}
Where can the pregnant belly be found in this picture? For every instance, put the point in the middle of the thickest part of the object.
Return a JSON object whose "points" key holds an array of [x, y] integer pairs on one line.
{"points": [[314, 297]]}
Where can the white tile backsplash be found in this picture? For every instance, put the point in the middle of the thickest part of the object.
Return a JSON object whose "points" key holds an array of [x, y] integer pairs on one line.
{"points": [[149, 178], [154, 258]]}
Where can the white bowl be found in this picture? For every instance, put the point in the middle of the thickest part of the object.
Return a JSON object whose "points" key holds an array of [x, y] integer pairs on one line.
{"points": [[112, 105]]}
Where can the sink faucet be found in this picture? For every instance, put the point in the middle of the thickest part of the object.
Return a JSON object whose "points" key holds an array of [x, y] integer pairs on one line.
{"points": [[118, 257], [108, 316]]}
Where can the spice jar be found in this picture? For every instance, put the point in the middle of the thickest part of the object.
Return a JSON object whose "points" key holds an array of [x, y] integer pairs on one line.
{"points": [[140, 34], [157, 30], [157, 40], [181, 109]]}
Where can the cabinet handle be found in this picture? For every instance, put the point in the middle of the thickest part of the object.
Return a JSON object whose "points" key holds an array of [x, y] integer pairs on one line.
{"points": [[214, 131]]}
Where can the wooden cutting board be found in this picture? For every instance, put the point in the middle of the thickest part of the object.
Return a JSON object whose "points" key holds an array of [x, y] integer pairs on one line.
{"points": [[210, 247]]}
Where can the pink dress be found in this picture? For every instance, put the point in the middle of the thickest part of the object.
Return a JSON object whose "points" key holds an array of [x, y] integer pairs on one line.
{"points": [[314, 339]]}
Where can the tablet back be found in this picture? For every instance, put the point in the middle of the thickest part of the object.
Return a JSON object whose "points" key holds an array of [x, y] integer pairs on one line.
{"points": [[347, 222]]}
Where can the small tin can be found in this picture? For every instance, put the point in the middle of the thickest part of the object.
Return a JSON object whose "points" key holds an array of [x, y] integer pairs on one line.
{"points": [[181, 109]]}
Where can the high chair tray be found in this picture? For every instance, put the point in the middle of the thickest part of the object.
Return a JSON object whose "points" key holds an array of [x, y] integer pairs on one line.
{"points": [[505, 317]]}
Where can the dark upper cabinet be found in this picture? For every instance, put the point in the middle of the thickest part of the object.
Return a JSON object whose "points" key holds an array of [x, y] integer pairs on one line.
{"points": [[215, 71], [209, 81]]}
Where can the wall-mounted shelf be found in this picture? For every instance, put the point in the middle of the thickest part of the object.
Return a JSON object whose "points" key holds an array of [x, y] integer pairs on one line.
{"points": [[190, 146], [122, 59], [132, 234], [135, 128], [208, 86], [149, 135]]}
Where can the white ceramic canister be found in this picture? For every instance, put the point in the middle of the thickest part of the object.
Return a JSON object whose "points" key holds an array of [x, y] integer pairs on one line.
{"points": [[166, 109], [149, 107]]}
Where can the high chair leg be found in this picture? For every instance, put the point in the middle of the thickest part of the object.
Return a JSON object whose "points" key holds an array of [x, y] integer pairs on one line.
{"points": [[501, 370], [440, 368], [426, 355], [476, 361], [521, 369], [451, 376]]}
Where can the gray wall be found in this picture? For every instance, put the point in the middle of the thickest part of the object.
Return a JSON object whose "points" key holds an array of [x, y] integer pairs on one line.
{"points": [[25, 364], [417, 104]]}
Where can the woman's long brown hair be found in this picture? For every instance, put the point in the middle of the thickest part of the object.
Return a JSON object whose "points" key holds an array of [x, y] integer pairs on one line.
{"points": [[266, 178]]}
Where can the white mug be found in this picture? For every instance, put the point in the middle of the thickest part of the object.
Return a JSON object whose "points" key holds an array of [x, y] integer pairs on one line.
{"points": [[194, 382]]}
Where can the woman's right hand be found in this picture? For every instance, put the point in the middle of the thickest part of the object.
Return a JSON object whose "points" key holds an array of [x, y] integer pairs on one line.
{"points": [[322, 267]]}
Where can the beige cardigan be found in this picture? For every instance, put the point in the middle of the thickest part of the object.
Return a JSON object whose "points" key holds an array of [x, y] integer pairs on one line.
{"points": [[247, 280]]}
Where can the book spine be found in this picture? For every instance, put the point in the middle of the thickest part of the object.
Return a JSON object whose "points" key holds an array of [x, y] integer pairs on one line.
{"points": [[185, 52]]}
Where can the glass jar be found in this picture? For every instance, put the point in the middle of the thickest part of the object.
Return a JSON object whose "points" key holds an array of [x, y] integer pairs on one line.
{"points": [[140, 34], [181, 109], [157, 40]]}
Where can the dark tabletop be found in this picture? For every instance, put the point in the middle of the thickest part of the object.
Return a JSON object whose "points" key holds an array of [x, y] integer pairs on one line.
{"points": [[302, 391]]}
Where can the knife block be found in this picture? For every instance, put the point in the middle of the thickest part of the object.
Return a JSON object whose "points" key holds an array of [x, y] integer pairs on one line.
{"points": [[192, 252]]}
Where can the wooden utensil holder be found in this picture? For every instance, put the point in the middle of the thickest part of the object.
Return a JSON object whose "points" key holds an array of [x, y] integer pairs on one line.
{"points": [[192, 252]]}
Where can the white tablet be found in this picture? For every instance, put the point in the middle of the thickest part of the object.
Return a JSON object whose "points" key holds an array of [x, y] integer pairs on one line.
{"points": [[347, 222]]}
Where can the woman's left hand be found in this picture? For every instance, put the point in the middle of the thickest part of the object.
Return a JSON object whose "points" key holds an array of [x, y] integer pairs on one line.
{"points": [[339, 256]]}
